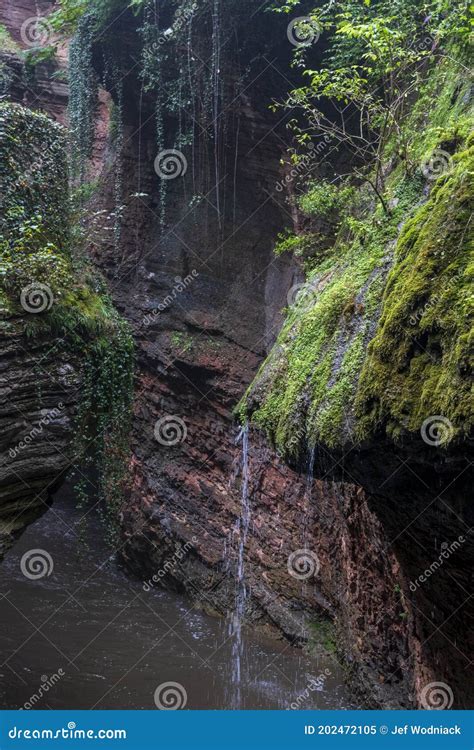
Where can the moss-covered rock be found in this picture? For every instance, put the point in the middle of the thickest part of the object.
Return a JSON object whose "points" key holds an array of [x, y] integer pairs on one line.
{"points": [[379, 336], [419, 361], [48, 293], [305, 391]]}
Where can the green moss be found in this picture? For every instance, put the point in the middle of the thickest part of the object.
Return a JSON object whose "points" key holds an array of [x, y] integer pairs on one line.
{"points": [[367, 348], [46, 292], [322, 633], [7, 43], [440, 112], [182, 341], [306, 391], [33, 174], [418, 362]]}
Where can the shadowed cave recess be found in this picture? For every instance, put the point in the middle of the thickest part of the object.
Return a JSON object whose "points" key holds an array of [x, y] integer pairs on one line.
{"points": [[277, 459]]}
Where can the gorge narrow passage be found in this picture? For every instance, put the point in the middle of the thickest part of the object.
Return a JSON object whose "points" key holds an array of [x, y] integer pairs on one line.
{"points": [[102, 641]]}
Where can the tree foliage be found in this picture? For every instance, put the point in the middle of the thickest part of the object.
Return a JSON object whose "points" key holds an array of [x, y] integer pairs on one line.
{"points": [[377, 55]]}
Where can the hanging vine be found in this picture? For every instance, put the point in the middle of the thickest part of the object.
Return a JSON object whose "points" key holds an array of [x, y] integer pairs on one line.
{"points": [[82, 96], [151, 75]]}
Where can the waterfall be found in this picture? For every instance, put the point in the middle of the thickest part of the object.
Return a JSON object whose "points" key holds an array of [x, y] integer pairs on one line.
{"points": [[216, 83], [308, 492], [235, 629], [307, 507]]}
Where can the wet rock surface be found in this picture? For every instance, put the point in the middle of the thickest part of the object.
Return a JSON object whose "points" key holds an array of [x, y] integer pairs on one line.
{"points": [[39, 392]]}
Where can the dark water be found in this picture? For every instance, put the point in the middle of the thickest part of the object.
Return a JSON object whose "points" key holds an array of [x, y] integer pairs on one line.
{"points": [[87, 636]]}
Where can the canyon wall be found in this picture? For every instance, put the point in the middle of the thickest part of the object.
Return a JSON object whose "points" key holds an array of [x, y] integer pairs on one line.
{"points": [[40, 374], [203, 293], [57, 326], [195, 275]]}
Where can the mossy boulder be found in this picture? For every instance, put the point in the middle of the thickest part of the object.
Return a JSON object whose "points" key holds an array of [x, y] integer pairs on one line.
{"points": [[419, 362], [50, 295], [305, 391], [379, 341]]}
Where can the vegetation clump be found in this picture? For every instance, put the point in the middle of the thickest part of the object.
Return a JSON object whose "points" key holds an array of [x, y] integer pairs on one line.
{"points": [[419, 360], [47, 289], [378, 337]]}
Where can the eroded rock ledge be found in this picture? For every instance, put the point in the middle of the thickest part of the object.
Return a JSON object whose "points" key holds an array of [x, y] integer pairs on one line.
{"points": [[60, 333]]}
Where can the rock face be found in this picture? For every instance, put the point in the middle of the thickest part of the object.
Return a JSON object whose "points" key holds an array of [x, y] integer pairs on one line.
{"points": [[318, 563], [40, 378], [59, 334], [39, 393], [203, 294]]}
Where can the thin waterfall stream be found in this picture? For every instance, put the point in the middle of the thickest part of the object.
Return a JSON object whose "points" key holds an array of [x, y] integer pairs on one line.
{"points": [[108, 640], [241, 589], [308, 492]]}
